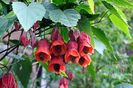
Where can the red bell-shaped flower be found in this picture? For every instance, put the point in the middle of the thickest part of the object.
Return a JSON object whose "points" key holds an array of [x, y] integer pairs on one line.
{"points": [[42, 53], [84, 61], [24, 40], [85, 48], [58, 47], [72, 52], [63, 83], [8, 81], [56, 65]]}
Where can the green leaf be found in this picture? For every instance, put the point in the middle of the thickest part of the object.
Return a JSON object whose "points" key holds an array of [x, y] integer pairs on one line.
{"points": [[3, 25], [122, 3], [28, 15], [99, 46], [23, 70], [91, 71], [6, 1], [124, 85], [58, 2], [64, 33], [85, 26], [67, 17], [83, 7], [91, 4], [49, 7], [116, 11], [102, 37], [120, 24]]}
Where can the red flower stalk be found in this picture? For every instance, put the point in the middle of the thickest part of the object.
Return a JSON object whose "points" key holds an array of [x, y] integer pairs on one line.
{"points": [[24, 40], [58, 47], [8, 81], [43, 53], [63, 83], [72, 52], [56, 65], [84, 61], [85, 48]]}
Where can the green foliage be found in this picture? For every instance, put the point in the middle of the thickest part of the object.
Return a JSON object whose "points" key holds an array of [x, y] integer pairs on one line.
{"points": [[68, 17], [23, 70], [28, 15]]}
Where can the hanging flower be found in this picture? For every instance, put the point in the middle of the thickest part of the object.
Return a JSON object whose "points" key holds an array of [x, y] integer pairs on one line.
{"points": [[58, 47], [72, 52], [84, 61], [85, 48], [56, 65], [8, 81], [42, 53], [24, 40], [63, 83]]}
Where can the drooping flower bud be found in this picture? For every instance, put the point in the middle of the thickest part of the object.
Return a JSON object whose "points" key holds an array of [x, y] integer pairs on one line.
{"points": [[42, 53], [24, 39], [8, 81], [63, 83], [36, 26], [56, 65], [70, 75]]}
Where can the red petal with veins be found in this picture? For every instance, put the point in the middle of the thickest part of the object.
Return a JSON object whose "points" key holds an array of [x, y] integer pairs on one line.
{"points": [[56, 65], [42, 53], [72, 52], [84, 61]]}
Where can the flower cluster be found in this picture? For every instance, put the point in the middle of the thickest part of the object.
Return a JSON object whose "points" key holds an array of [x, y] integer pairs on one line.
{"points": [[57, 53], [8, 81]]}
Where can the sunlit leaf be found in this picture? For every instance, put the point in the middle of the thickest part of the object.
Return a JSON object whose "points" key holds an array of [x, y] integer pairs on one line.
{"points": [[28, 15], [23, 70], [67, 17], [120, 24], [102, 37]]}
